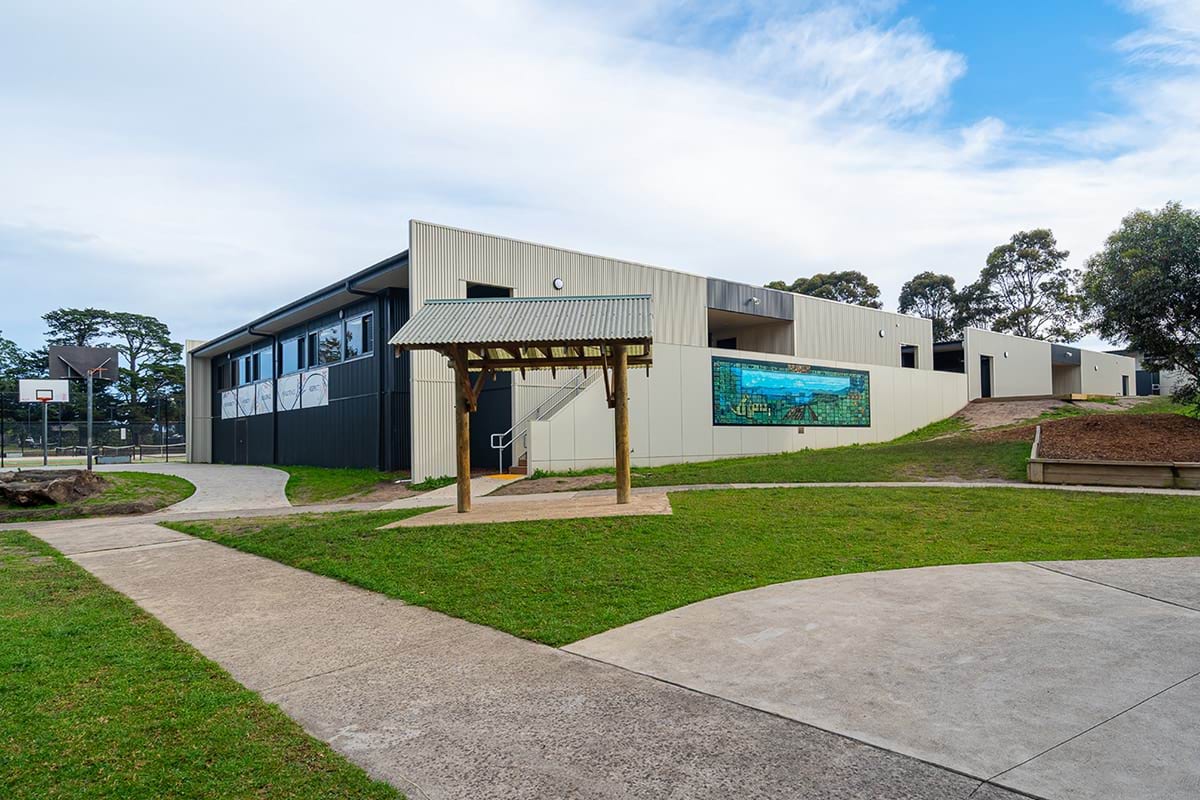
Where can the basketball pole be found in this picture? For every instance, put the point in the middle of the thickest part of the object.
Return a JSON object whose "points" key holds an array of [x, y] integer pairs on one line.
{"points": [[89, 421], [45, 433]]}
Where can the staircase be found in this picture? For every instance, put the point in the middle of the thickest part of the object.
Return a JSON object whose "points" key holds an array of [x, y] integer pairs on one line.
{"points": [[516, 437]]}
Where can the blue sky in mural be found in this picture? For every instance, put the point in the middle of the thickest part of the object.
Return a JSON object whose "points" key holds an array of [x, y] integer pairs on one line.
{"points": [[207, 162], [791, 383]]}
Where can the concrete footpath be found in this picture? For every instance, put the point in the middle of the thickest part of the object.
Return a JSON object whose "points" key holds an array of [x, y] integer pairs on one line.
{"points": [[442, 708], [1066, 680]]}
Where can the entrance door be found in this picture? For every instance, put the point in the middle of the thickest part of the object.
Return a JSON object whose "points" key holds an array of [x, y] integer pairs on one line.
{"points": [[985, 376], [1125, 385], [241, 449]]}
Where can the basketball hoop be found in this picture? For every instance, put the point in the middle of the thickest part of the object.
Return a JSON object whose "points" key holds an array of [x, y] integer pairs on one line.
{"points": [[45, 396]]}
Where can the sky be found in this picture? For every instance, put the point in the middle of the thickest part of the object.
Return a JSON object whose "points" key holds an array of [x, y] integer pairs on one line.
{"points": [[208, 162]]}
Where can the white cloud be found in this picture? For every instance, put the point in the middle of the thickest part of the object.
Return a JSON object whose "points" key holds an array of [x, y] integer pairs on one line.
{"points": [[208, 163]]}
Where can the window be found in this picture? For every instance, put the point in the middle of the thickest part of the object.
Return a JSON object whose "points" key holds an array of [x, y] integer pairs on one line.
{"points": [[329, 345], [291, 355], [908, 356], [235, 373], [263, 365], [311, 359], [359, 336], [222, 376]]}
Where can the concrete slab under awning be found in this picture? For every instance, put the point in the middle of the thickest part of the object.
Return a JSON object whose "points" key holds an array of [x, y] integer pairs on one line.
{"points": [[525, 509]]}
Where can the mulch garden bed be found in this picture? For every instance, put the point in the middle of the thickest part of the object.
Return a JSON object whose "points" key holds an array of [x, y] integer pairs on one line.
{"points": [[1122, 437]]}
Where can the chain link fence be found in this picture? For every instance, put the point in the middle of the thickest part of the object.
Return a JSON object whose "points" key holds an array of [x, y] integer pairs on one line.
{"points": [[152, 432]]}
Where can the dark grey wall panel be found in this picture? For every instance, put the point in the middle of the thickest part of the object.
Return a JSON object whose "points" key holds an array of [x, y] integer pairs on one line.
{"points": [[365, 424], [738, 297]]}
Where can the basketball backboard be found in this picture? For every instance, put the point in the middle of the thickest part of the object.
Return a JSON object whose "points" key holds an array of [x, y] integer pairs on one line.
{"points": [[68, 361], [38, 390]]}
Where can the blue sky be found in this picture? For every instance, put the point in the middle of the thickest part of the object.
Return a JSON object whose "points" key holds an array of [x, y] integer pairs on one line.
{"points": [[1035, 65], [208, 162]]}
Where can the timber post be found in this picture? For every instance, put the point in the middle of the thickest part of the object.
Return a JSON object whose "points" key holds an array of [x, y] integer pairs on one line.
{"points": [[620, 388], [462, 431]]}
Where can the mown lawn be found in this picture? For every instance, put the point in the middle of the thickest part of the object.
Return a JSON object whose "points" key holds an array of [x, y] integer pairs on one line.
{"points": [[124, 493], [307, 485], [559, 581], [99, 700], [913, 458]]}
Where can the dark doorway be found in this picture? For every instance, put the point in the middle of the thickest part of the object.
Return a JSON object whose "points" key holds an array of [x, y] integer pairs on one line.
{"points": [[985, 376], [727, 344], [1124, 385], [494, 410], [241, 442]]}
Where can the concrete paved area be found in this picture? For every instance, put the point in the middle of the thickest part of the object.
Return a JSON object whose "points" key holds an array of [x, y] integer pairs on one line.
{"points": [[443, 708], [515, 508], [219, 487], [1069, 680], [481, 486]]}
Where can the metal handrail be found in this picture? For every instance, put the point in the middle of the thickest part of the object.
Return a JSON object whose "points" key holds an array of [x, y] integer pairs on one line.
{"points": [[501, 441]]}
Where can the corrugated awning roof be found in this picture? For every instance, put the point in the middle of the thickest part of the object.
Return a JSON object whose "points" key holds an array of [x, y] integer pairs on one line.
{"points": [[502, 333], [520, 320]]}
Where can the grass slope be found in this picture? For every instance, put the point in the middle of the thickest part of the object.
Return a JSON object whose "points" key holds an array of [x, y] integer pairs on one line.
{"points": [[559, 581], [916, 457], [308, 485], [99, 700], [148, 491]]}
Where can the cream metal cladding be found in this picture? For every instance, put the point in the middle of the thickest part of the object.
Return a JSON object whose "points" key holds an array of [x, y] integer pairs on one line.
{"points": [[673, 406], [1101, 373], [1020, 366], [841, 332], [443, 261], [197, 391]]}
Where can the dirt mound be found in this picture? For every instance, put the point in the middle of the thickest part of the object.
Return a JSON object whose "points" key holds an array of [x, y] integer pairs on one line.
{"points": [[1123, 437], [38, 487]]}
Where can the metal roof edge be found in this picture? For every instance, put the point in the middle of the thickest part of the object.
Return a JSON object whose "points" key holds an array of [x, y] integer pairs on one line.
{"points": [[391, 262], [448, 300]]}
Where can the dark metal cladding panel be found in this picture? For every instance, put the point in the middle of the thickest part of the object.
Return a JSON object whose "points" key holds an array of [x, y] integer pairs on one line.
{"points": [[341, 434], [1064, 354], [740, 297], [363, 393]]}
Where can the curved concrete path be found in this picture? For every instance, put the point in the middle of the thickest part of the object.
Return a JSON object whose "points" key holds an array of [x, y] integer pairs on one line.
{"points": [[1063, 680], [443, 708], [219, 487]]}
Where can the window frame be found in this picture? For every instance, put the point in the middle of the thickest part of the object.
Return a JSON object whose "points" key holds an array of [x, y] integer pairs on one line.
{"points": [[339, 331], [364, 323]]}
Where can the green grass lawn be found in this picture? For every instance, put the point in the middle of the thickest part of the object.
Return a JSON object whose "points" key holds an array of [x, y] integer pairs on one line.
{"points": [[308, 485], [915, 457], [99, 700], [559, 581], [125, 493]]}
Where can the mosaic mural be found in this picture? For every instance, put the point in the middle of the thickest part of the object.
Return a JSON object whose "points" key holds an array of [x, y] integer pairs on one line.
{"points": [[770, 393]]}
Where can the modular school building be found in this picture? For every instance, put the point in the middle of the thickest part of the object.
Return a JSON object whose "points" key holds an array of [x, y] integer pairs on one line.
{"points": [[737, 370]]}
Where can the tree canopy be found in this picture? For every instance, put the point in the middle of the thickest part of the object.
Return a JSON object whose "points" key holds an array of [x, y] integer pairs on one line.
{"points": [[1027, 289], [80, 327], [846, 286], [151, 367], [932, 296], [1143, 287]]}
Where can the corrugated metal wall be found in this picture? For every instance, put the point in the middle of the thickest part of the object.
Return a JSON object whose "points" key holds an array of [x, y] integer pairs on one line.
{"points": [[198, 396], [349, 431], [1020, 367], [442, 261], [841, 332]]}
